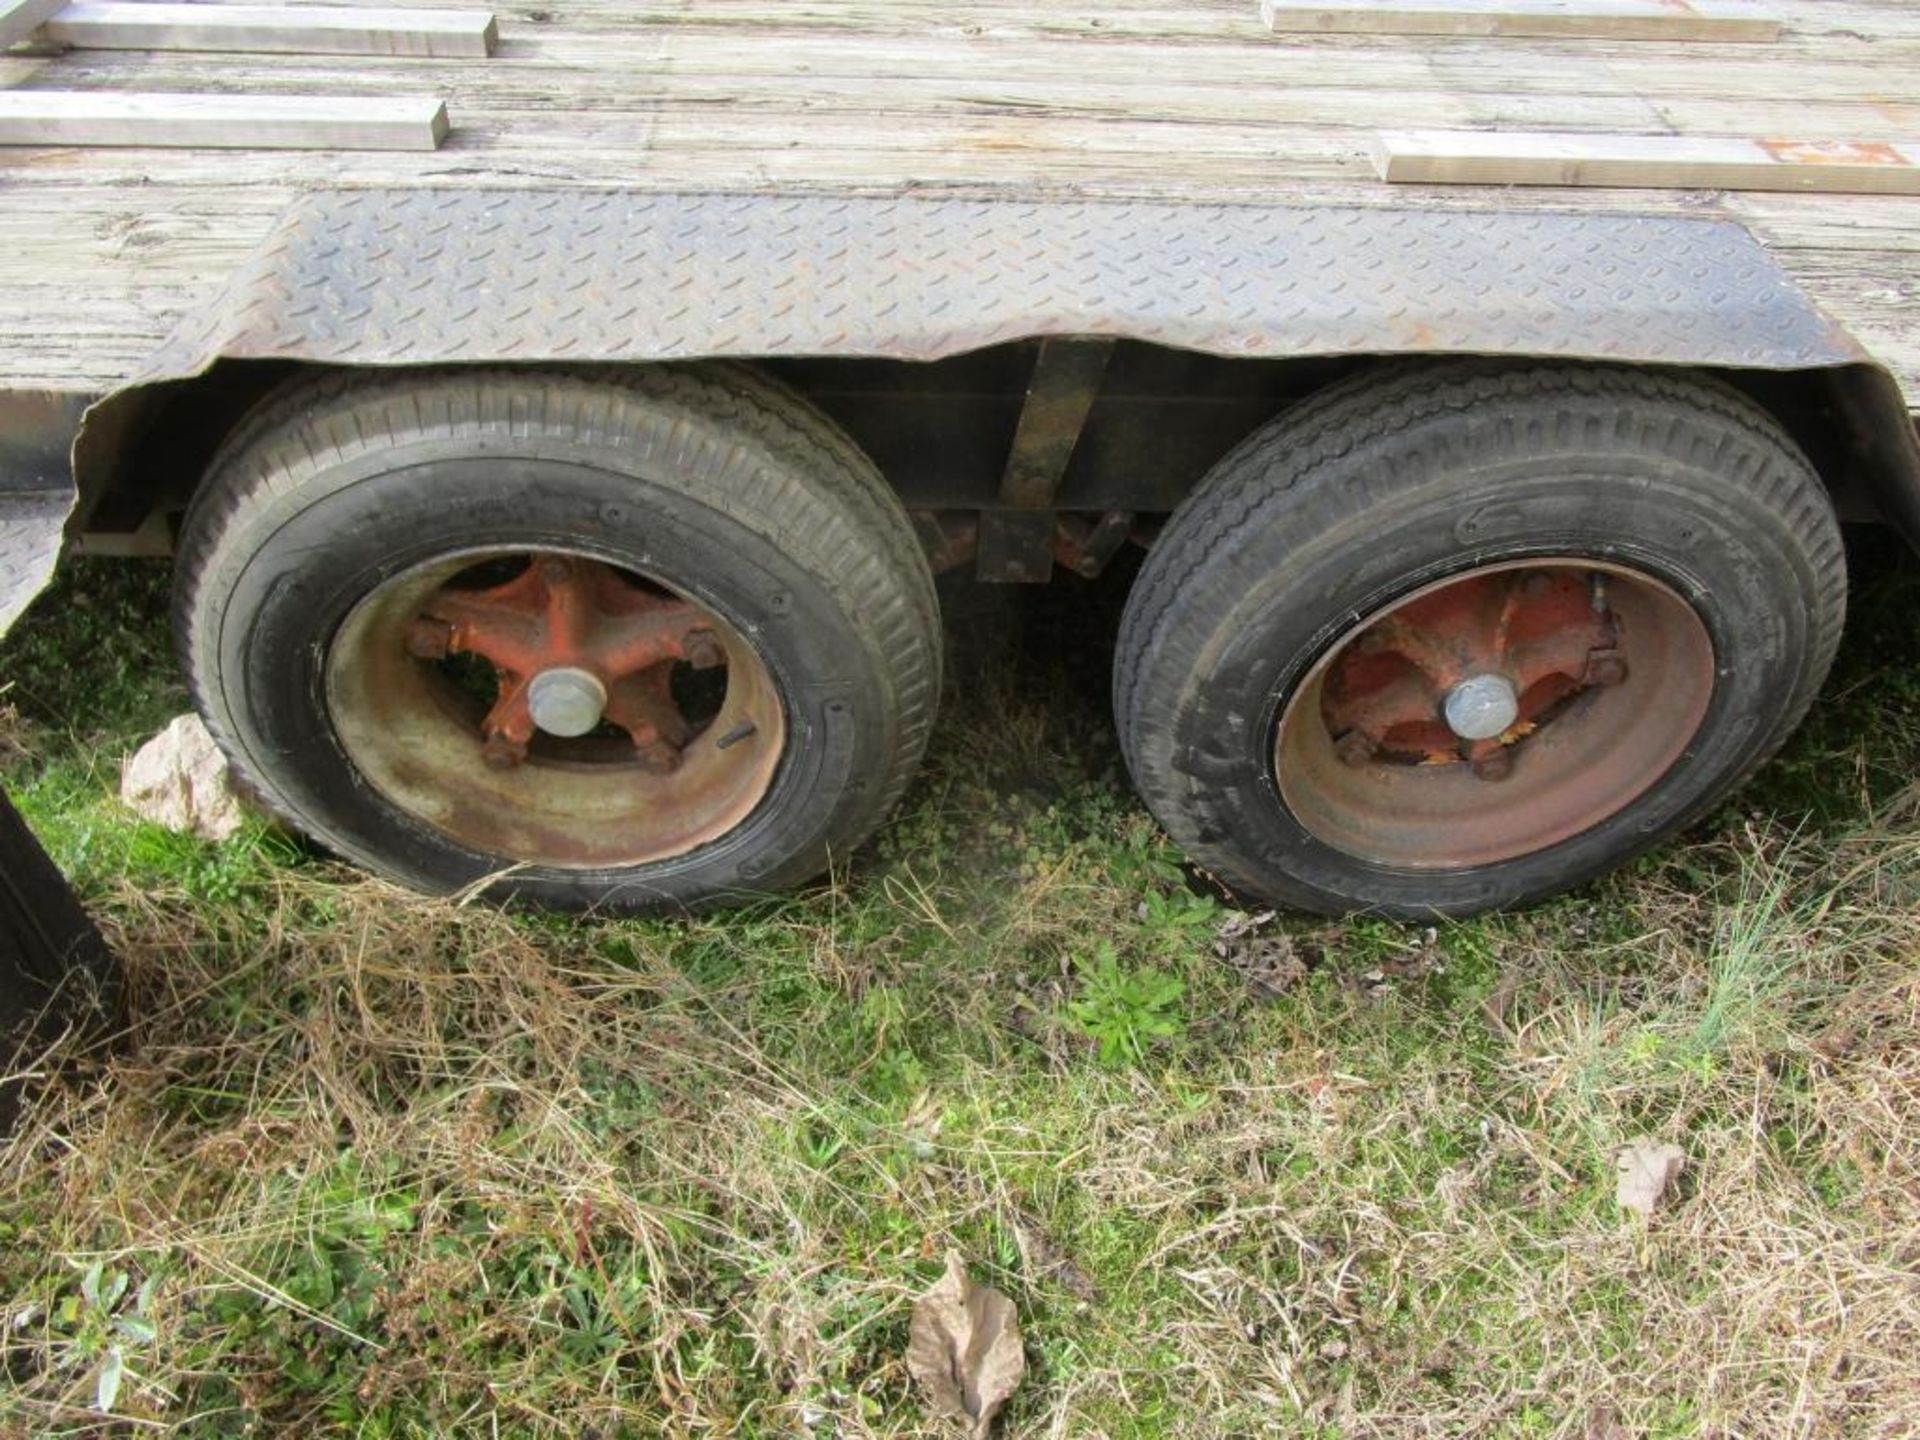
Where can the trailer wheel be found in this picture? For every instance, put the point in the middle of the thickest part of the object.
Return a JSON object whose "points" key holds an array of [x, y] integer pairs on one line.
{"points": [[599, 641], [1463, 636]]}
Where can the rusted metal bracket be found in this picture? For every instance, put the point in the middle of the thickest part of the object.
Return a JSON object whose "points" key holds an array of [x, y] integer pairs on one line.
{"points": [[1016, 547], [1067, 372], [1016, 544], [1086, 546]]}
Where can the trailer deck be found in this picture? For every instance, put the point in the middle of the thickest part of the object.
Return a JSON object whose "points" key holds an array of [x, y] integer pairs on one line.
{"points": [[102, 251]]}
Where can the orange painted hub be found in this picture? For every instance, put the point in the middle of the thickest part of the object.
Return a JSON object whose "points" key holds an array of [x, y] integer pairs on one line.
{"points": [[1549, 633], [664, 727], [1610, 672], [568, 612]]}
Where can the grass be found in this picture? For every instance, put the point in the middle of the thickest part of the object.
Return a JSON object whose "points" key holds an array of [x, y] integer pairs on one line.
{"points": [[370, 1165]]}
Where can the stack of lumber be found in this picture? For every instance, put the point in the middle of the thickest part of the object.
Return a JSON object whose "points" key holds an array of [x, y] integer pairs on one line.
{"points": [[1479, 157], [251, 122]]}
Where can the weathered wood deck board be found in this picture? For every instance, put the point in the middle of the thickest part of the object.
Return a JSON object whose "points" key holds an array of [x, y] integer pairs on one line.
{"points": [[101, 251], [1738, 20], [272, 29], [1665, 162], [20, 18], [145, 118]]}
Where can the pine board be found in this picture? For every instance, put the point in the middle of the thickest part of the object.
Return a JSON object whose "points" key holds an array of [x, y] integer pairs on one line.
{"points": [[1733, 21], [1659, 162], [272, 29], [145, 119]]}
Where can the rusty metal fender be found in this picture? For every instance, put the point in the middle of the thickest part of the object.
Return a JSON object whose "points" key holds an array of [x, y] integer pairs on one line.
{"points": [[36, 491], [383, 277]]}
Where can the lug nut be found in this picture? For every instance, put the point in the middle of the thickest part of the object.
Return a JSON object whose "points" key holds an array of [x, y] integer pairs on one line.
{"points": [[502, 752], [1606, 670], [704, 652], [658, 757], [1495, 766], [429, 639], [1355, 748]]}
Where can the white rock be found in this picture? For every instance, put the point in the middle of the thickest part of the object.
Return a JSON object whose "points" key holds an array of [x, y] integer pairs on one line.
{"points": [[1644, 1170], [180, 779]]}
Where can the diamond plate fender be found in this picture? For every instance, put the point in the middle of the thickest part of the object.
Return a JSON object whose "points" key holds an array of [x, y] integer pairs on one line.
{"points": [[36, 492], [380, 277], [385, 277]]}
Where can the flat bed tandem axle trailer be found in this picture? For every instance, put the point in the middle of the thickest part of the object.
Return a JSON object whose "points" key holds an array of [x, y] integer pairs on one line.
{"points": [[556, 486]]}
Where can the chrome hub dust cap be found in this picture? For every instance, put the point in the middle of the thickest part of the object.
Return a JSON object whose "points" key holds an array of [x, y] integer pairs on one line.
{"points": [[567, 701], [1482, 707]]}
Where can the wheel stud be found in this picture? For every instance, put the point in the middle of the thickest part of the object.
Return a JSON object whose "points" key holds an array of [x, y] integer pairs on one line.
{"points": [[429, 639], [658, 757], [1355, 748], [502, 752], [1495, 766], [1604, 669], [703, 651]]}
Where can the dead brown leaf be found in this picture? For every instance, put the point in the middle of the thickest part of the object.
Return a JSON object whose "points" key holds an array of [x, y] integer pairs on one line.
{"points": [[1268, 961], [963, 1347], [1645, 1170]]}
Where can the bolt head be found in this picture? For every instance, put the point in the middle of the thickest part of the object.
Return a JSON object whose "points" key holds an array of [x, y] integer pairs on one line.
{"points": [[500, 752], [1355, 748], [704, 652], [658, 757], [429, 639], [1607, 670], [1496, 766]]}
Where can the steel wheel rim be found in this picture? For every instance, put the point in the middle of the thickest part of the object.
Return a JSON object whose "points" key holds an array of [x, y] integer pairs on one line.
{"points": [[584, 802], [1577, 759]]}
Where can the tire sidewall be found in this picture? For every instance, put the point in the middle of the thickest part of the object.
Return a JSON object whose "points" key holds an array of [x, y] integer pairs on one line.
{"points": [[1728, 557], [317, 553]]}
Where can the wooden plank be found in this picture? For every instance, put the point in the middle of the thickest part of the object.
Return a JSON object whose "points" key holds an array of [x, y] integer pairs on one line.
{"points": [[225, 122], [1735, 20], [20, 18], [275, 29], [1665, 162]]}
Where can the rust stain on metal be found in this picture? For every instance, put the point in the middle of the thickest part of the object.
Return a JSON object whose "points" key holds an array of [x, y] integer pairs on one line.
{"points": [[1610, 671], [568, 613], [1538, 629], [1067, 373], [680, 760], [1833, 152], [950, 539], [1086, 547]]}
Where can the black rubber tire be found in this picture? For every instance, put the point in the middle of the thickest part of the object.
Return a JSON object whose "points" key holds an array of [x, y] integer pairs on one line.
{"points": [[57, 976], [711, 477], [1395, 480]]}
